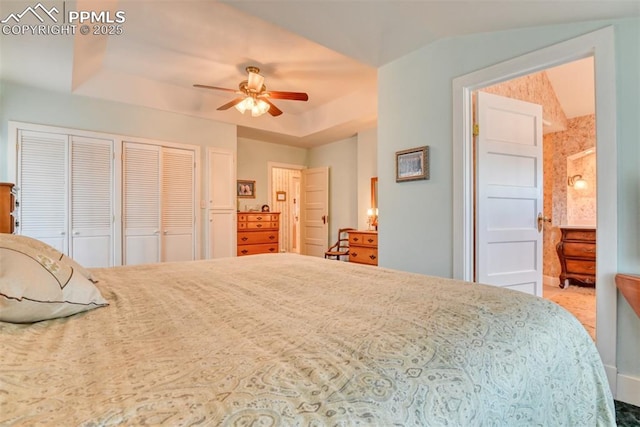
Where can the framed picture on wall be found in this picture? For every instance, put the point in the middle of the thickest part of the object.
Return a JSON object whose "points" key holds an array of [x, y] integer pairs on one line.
{"points": [[412, 164], [281, 196], [246, 189]]}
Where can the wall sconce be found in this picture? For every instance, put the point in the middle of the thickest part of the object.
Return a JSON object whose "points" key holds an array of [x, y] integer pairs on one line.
{"points": [[577, 182]]}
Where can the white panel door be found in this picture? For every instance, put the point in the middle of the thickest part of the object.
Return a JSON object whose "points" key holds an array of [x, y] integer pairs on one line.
{"points": [[177, 204], [222, 180], [42, 199], [314, 211], [509, 193], [222, 234], [141, 203], [92, 201]]}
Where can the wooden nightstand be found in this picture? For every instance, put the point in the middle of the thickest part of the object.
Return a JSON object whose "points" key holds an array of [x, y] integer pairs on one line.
{"points": [[258, 233], [363, 247]]}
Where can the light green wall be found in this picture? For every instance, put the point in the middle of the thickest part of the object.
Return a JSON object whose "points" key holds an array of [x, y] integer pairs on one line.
{"points": [[32, 105], [253, 158], [415, 108], [341, 158]]}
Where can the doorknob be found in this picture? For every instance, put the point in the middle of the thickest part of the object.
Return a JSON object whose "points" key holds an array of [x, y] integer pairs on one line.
{"points": [[542, 219], [324, 219]]}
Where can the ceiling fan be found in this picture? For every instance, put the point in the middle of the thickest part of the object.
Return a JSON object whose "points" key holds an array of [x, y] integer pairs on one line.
{"points": [[255, 96]]}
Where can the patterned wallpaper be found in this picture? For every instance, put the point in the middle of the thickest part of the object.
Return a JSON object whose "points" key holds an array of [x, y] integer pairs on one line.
{"points": [[562, 138], [283, 180]]}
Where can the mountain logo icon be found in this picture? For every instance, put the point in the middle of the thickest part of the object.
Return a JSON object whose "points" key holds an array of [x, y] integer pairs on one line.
{"points": [[38, 11]]}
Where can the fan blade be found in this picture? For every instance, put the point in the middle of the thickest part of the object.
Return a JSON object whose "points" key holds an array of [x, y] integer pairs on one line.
{"points": [[231, 104], [292, 96], [273, 110], [255, 82], [216, 88]]}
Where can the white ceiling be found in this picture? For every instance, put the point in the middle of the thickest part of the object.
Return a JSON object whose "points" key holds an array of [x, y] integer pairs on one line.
{"points": [[329, 49]]}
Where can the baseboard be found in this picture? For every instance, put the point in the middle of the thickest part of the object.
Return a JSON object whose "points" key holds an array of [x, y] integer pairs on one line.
{"points": [[550, 281], [628, 389]]}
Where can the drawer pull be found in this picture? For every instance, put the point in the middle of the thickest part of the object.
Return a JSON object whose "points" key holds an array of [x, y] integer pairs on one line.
{"points": [[259, 218], [244, 251], [372, 257], [353, 254], [244, 239], [258, 225], [370, 240], [272, 237], [272, 249], [355, 239]]}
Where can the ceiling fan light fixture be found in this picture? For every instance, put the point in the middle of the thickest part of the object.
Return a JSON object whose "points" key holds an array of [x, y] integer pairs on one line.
{"points": [[259, 108], [245, 104]]}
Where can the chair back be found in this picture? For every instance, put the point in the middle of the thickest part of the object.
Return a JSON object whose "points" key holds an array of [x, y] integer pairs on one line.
{"points": [[341, 247]]}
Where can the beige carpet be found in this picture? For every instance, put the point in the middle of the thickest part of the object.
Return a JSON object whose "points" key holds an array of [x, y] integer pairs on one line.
{"points": [[580, 301]]}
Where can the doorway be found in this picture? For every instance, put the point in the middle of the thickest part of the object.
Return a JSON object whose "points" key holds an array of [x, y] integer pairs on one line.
{"points": [[566, 94], [284, 191], [600, 45]]}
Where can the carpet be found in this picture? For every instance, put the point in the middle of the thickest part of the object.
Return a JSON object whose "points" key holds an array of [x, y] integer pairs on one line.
{"points": [[627, 415]]}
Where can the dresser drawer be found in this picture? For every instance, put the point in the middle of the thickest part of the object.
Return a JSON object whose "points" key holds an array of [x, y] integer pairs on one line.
{"points": [[580, 235], [363, 255], [257, 249], [250, 238], [363, 239], [262, 217], [579, 250], [578, 266], [261, 225]]}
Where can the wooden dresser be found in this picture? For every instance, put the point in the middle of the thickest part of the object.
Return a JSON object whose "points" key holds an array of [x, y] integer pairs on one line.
{"points": [[577, 253], [258, 232], [6, 207], [363, 247]]}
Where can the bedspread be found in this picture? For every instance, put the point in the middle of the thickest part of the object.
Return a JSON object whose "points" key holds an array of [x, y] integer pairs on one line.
{"points": [[290, 340]]}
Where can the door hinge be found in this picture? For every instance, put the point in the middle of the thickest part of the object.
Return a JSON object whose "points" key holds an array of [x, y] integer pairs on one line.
{"points": [[476, 129]]}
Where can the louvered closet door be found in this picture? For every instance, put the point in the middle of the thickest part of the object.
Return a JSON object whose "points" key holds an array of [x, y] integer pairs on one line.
{"points": [[141, 204], [42, 182], [91, 201], [177, 202]]}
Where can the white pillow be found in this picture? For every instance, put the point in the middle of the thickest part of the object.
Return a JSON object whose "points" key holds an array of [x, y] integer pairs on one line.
{"points": [[35, 284], [51, 251]]}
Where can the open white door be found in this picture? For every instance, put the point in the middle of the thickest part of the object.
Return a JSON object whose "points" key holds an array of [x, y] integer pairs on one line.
{"points": [[509, 193], [314, 211]]}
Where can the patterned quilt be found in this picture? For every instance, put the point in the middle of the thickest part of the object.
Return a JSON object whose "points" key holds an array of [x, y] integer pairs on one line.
{"points": [[290, 340]]}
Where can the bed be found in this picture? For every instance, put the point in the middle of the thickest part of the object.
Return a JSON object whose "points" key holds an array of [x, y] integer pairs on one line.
{"points": [[291, 340]]}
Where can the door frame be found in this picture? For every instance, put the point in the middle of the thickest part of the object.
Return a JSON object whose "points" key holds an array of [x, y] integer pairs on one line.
{"points": [[599, 44]]}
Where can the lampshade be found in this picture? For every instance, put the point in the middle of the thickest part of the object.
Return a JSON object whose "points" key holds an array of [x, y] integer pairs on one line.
{"points": [[577, 182], [257, 106]]}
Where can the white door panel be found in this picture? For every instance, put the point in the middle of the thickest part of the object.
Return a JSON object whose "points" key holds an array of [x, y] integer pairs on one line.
{"points": [[222, 230], [43, 171], [141, 204], [177, 201], [92, 251], [315, 211], [509, 193]]}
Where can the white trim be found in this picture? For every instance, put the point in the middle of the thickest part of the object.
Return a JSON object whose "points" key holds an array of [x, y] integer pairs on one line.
{"points": [[550, 281], [600, 45], [628, 389]]}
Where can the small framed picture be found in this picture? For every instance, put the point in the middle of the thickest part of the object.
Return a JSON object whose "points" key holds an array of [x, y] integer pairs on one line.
{"points": [[281, 196], [412, 164], [246, 189]]}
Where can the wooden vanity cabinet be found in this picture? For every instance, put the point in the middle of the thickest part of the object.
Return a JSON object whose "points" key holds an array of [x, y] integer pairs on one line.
{"points": [[577, 254]]}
